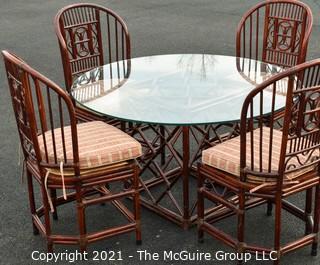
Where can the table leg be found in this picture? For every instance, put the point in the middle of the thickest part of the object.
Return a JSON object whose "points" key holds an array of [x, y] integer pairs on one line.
{"points": [[162, 143], [157, 180], [162, 172], [185, 176]]}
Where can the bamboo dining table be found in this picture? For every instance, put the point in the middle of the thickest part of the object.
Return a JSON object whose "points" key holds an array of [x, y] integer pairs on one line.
{"points": [[176, 106]]}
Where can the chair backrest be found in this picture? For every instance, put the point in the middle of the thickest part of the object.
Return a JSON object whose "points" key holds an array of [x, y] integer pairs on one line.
{"points": [[275, 31], [90, 36], [300, 140], [40, 106]]}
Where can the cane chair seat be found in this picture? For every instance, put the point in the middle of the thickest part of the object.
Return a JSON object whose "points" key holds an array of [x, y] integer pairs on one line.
{"points": [[100, 144], [226, 157], [85, 174]]}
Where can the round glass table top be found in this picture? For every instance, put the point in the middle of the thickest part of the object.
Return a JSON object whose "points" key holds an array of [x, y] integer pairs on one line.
{"points": [[178, 89]]}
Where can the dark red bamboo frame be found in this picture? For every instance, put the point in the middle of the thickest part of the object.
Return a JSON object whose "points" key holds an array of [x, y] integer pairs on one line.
{"points": [[164, 165], [81, 42], [286, 26], [300, 144], [32, 98]]}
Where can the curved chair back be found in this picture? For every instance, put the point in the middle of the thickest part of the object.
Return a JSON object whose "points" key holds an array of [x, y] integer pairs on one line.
{"points": [[90, 36], [299, 141], [40, 106], [276, 32]]}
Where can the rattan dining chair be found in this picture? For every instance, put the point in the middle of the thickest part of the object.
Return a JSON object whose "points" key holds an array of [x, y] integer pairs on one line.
{"points": [[90, 36], [268, 163], [60, 154], [275, 32]]}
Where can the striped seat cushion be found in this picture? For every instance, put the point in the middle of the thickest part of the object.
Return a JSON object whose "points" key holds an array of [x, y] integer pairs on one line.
{"points": [[226, 156], [99, 144]]}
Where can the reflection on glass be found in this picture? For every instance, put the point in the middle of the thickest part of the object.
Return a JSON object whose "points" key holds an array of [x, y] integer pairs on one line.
{"points": [[255, 73], [188, 62], [101, 81], [173, 89]]}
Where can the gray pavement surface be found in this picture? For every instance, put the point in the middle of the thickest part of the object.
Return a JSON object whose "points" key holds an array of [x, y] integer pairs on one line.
{"points": [[156, 27]]}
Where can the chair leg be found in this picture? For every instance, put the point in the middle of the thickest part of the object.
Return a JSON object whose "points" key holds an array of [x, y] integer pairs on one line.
{"points": [[47, 223], [81, 219], [277, 230], [269, 207], [53, 193], [137, 209], [200, 217], [200, 208], [308, 212], [241, 219], [32, 201], [316, 221]]}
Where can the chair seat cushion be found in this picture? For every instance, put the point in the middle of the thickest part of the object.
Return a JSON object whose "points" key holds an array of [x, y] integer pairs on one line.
{"points": [[226, 156], [99, 144]]}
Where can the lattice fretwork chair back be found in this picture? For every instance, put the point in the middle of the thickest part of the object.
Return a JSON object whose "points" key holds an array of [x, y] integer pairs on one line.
{"points": [[299, 146], [78, 159], [32, 97], [268, 163], [91, 36], [275, 32]]}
